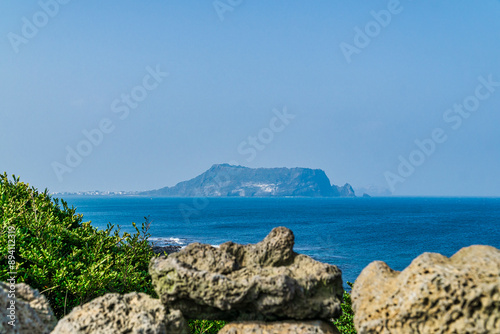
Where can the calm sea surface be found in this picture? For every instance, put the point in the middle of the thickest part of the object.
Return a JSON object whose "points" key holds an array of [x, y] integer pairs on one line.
{"points": [[347, 232]]}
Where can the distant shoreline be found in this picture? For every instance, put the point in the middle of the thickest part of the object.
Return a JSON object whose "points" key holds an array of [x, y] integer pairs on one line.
{"points": [[59, 195]]}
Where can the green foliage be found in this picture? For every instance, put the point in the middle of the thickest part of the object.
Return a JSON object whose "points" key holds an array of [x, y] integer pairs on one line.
{"points": [[206, 326], [345, 324], [70, 262]]}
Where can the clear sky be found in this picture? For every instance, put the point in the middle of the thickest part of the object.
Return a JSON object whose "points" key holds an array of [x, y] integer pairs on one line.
{"points": [[346, 86]]}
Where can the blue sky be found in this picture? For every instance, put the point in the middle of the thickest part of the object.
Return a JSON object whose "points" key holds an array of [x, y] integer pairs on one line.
{"points": [[233, 66]]}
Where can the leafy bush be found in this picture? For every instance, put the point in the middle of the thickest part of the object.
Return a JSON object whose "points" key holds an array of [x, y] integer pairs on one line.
{"points": [[206, 326], [70, 262], [345, 324]]}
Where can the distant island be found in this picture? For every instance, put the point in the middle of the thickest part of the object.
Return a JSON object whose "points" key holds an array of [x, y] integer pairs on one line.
{"points": [[224, 180]]}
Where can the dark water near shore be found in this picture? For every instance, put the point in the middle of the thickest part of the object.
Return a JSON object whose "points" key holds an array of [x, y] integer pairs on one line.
{"points": [[347, 232]]}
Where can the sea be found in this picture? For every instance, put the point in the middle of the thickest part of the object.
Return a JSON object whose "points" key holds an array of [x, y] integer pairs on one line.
{"points": [[347, 232]]}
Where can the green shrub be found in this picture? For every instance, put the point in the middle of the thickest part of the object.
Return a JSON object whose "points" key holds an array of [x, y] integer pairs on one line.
{"points": [[206, 326], [345, 324], [70, 262]]}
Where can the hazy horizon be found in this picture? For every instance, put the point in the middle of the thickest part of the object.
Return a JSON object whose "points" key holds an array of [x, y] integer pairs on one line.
{"points": [[403, 95]]}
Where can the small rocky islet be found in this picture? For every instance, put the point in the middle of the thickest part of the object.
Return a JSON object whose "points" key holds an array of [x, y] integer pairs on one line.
{"points": [[268, 288]]}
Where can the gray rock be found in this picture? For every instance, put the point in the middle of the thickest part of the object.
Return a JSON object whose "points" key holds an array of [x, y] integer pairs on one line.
{"points": [[434, 294], [32, 313], [166, 249], [134, 313], [264, 281], [280, 327], [344, 191]]}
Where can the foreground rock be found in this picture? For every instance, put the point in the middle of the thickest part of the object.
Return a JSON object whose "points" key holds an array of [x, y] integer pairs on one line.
{"points": [[32, 313], [282, 327], [264, 281], [435, 294], [115, 313], [165, 249]]}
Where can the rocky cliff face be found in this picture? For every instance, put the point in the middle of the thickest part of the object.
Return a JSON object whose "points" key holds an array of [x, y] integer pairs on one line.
{"points": [[226, 180], [344, 191]]}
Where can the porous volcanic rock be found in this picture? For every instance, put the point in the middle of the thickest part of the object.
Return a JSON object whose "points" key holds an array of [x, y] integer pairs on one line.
{"points": [[281, 327], [32, 312], [434, 294], [169, 249], [263, 281], [134, 313]]}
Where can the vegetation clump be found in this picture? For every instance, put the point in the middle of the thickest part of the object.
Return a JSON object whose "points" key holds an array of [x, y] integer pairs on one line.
{"points": [[69, 261], [345, 324]]}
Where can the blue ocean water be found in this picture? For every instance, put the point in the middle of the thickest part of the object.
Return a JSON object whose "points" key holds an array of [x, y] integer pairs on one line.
{"points": [[347, 232]]}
